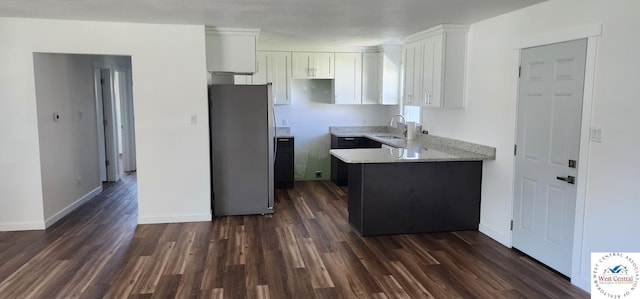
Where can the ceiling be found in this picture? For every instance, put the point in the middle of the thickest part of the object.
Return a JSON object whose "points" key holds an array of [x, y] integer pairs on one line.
{"points": [[336, 22]]}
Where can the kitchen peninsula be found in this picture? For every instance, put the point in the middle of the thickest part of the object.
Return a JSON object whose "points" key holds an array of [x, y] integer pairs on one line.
{"points": [[428, 184]]}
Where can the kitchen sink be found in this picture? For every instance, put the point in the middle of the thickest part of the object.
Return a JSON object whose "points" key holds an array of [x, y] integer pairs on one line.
{"points": [[388, 137]]}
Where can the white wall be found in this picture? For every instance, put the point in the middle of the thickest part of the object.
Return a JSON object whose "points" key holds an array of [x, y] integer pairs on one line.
{"points": [[311, 114], [169, 78], [68, 146], [612, 189]]}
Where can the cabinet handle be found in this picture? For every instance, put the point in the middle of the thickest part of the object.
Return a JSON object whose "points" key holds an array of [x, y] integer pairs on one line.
{"points": [[349, 139], [283, 139], [427, 99]]}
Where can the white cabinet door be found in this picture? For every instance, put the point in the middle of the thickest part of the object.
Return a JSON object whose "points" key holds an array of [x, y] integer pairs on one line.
{"points": [[263, 68], [231, 50], [348, 78], [371, 78], [431, 95], [434, 74], [302, 65], [324, 66], [307, 65], [390, 73], [281, 77], [412, 73], [242, 80]]}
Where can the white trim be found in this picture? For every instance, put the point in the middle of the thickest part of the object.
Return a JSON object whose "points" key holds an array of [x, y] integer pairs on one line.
{"points": [[231, 31], [583, 158], [174, 218], [558, 37], [440, 29], [315, 48], [494, 234], [21, 226], [70, 208]]}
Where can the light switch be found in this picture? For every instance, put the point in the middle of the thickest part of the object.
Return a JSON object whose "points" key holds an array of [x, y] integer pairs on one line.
{"points": [[194, 119], [596, 134]]}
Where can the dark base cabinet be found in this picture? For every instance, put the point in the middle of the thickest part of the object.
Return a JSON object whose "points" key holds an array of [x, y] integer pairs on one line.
{"points": [[283, 169], [401, 198], [339, 169]]}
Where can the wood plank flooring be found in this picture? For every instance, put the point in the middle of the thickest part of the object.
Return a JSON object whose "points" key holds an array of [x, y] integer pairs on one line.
{"points": [[305, 250]]}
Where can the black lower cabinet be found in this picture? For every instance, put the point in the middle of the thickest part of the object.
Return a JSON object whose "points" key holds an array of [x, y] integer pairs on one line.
{"points": [[421, 197], [339, 169], [283, 177]]}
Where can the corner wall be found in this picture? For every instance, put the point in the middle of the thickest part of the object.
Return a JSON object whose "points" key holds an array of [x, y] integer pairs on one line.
{"points": [[68, 145], [169, 77], [611, 204], [311, 114]]}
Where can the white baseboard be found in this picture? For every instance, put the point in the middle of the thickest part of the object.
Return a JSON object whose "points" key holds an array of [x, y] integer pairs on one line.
{"points": [[584, 284], [64, 212], [21, 226], [174, 218], [493, 234]]}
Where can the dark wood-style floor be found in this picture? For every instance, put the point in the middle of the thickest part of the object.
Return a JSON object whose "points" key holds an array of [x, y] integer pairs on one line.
{"points": [[305, 250]]}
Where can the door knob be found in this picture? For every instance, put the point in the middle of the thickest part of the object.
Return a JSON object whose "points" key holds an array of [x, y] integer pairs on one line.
{"points": [[569, 179]]}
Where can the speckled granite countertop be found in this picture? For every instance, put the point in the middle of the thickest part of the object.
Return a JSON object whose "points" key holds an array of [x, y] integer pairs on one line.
{"points": [[425, 148]]}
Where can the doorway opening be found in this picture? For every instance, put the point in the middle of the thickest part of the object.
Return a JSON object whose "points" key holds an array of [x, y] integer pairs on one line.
{"points": [[114, 108], [76, 96]]}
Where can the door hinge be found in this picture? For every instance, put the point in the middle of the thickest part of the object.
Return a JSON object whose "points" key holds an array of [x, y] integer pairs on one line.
{"points": [[519, 71], [511, 226], [101, 81], [106, 162], [515, 149]]}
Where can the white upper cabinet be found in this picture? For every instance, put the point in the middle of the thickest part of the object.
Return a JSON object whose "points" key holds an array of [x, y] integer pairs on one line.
{"points": [[307, 65], [274, 68], [431, 71], [347, 85], [242, 79], [263, 68], [434, 67], [371, 78], [231, 50], [412, 73], [390, 67], [324, 65], [280, 76]]}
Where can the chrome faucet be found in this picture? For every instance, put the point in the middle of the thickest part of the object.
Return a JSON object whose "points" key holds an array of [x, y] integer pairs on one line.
{"points": [[404, 120]]}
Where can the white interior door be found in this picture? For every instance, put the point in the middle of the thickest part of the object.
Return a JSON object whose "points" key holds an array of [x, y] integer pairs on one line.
{"points": [[548, 138]]}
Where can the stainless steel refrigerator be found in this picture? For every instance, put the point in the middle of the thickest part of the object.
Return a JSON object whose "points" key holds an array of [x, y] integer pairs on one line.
{"points": [[242, 149]]}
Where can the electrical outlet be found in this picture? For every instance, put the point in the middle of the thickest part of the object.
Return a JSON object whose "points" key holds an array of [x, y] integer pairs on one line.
{"points": [[318, 174]]}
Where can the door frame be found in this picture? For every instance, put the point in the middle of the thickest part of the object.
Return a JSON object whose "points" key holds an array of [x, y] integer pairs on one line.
{"points": [[127, 118], [107, 143], [591, 33]]}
